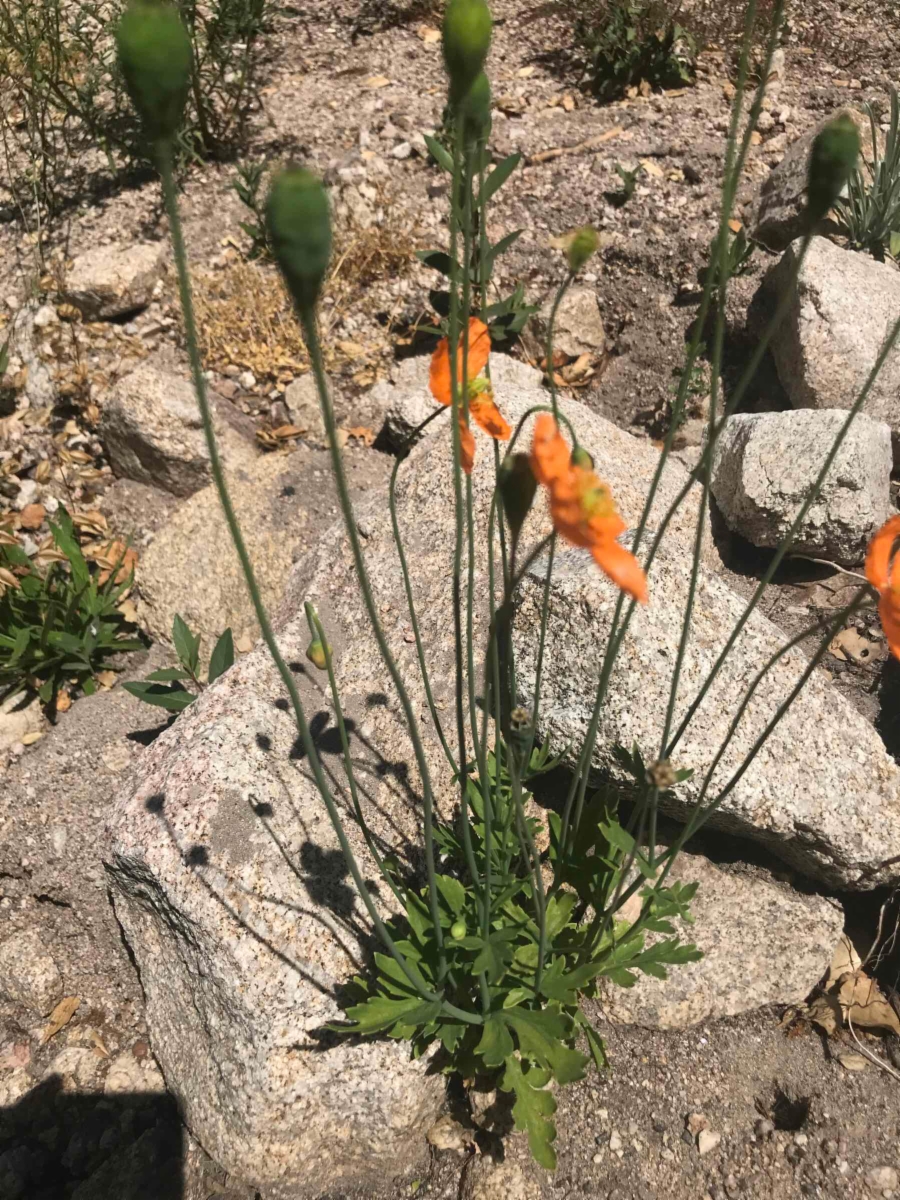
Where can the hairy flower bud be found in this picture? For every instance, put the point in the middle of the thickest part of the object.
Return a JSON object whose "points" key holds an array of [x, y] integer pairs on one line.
{"points": [[299, 226], [155, 57], [475, 110], [835, 152], [581, 458], [458, 930], [517, 486], [317, 652], [582, 244], [467, 39]]}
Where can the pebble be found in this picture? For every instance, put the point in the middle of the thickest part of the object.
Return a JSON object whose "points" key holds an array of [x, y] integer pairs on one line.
{"points": [[883, 1179], [707, 1140], [615, 1141], [28, 493], [247, 380], [402, 150]]}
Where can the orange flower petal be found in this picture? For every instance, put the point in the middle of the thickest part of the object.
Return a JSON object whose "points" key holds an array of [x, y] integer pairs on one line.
{"points": [[479, 351], [550, 454], [466, 445], [889, 611], [878, 559], [487, 416], [622, 568]]}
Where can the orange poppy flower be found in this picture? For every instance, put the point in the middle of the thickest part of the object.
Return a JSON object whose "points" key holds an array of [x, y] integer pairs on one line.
{"points": [[884, 575], [583, 509], [482, 408]]}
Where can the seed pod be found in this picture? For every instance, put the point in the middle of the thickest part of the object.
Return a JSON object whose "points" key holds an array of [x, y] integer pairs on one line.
{"points": [[583, 244], [475, 110], [155, 57], [458, 930], [834, 155], [317, 653], [299, 226], [467, 39], [581, 458], [517, 486]]}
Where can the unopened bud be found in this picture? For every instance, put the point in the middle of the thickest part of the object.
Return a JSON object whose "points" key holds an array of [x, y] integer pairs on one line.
{"points": [[299, 226], [318, 652], [581, 458], [466, 41], [458, 930], [517, 485], [475, 110], [662, 775], [155, 57], [834, 155], [582, 245]]}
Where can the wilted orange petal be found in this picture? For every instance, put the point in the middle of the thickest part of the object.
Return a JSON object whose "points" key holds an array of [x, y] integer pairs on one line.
{"points": [[622, 568], [479, 352], [466, 446], [550, 455], [889, 611], [878, 559], [487, 416]]}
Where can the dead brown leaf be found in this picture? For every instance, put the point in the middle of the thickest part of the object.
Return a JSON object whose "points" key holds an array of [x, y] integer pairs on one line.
{"points": [[106, 679], [864, 1004], [113, 555], [28, 739], [429, 35], [32, 516], [60, 1017], [378, 81], [362, 433], [63, 701], [593, 143]]}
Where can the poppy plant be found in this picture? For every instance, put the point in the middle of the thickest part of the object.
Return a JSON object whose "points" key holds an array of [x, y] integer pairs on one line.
{"points": [[482, 409], [582, 507], [883, 572]]}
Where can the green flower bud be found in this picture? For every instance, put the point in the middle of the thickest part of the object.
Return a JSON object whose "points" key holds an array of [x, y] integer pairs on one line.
{"points": [[475, 110], [834, 155], [458, 930], [583, 244], [581, 458], [517, 486], [299, 226], [155, 57], [316, 652], [467, 39]]}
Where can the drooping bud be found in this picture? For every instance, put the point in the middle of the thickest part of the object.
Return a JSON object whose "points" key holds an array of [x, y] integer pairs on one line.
{"points": [[582, 244], [155, 57], [475, 110], [317, 652], [466, 41], [458, 930], [299, 226], [581, 458], [517, 485], [835, 152]]}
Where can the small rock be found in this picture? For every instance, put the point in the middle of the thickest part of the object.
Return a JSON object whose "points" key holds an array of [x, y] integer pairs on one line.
{"points": [[578, 328], [883, 1179], [707, 1140], [247, 380], [29, 490], [843, 305], [302, 401], [615, 1141], [28, 973], [126, 1074], [489, 1180], [695, 1122], [110, 281], [765, 464], [402, 150], [153, 434], [764, 1127], [765, 122], [45, 317], [447, 1134], [781, 202], [75, 1063]]}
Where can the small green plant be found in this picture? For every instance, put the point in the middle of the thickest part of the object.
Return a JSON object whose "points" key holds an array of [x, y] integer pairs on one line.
{"points": [[869, 214], [697, 381], [64, 95], [629, 182], [507, 317], [634, 42], [58, 627], [249, 188], [166, 688]]}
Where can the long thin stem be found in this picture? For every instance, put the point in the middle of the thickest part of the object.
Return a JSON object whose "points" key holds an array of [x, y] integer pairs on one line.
{"points": [[164, 159]]}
